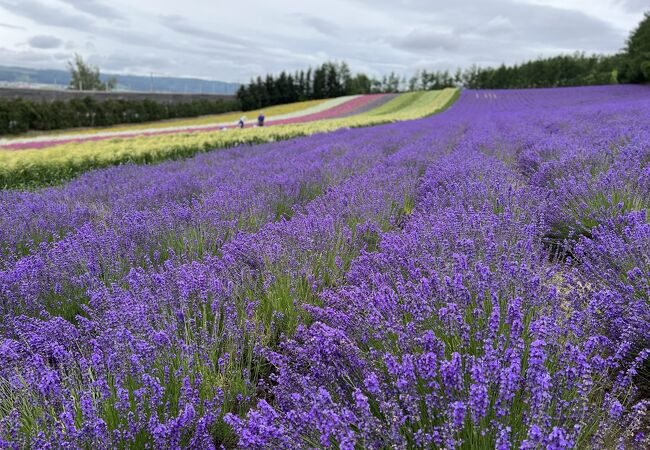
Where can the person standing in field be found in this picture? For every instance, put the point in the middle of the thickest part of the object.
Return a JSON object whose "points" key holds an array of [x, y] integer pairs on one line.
{"points": [[260, 120], [242, 121]]}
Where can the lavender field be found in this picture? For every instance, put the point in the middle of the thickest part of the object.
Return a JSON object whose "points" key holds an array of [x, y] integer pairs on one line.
{"points": [[478, 279]]}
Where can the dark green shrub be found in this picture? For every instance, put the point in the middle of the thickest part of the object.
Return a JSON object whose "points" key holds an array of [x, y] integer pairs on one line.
{"points": [[19, 116]]}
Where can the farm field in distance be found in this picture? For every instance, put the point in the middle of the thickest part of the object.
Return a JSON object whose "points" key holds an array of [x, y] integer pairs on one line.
{"points": [[444, 269], [210, 120], [40, 161], [389, 106]]}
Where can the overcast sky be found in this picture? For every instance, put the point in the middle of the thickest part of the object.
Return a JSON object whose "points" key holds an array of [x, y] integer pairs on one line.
{"points": [[232, 40]]}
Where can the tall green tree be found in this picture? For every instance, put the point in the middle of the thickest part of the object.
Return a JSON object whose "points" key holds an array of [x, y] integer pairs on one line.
{"points": [[636, 59], [360, 84], [84, 77], [344, 77], [319, 87], [333, 86]]}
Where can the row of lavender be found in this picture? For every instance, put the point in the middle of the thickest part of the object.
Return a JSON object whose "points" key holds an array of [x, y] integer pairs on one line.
{"points": [[475, 279], [460, 332], [173, 280]]}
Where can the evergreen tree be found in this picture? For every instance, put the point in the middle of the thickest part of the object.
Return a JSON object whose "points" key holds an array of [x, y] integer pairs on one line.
{"points": [[244, 96], [300, 85], [282, 89], [309, 85], [320, 82], [272, 93], [261, 93], [332, 85], [292, 87]]}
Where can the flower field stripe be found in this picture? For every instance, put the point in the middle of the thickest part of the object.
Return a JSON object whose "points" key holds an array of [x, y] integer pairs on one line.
{"points": [[400, 102], [342, 110], [404, 102], [373, 104], [31, 167], [324, 106], [334, 108], [48, 141], [412, 105]]}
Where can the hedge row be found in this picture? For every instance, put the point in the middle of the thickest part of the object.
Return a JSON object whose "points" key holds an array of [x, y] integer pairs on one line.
{"points": [[19, 115]]}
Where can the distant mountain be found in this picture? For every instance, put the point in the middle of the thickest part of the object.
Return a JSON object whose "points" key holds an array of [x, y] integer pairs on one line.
{"points": [[60, 78]]}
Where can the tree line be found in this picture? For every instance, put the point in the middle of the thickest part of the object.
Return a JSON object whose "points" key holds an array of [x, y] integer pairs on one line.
{"points": [[564, 70], [20, 115], [329, 80], [632, 65], [333, 79]]}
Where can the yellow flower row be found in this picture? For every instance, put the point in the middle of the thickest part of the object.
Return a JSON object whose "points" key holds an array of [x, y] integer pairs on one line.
{"points": [[23, 168]]}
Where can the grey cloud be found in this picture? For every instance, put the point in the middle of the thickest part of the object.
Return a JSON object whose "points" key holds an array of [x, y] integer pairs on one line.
{"points": [[634, 5], [321, 25], [182, 55], [26, 58], [497, 25], [132, 38], [62, 56], [182, 25], [419, 40], [543, 25], [122, 62], [491, 32], [46, 15], [398, 35], [96, 8], [229, 48], [45, 42]]}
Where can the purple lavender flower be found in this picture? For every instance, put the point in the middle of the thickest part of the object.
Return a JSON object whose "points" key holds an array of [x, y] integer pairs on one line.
{"points": [[408, 285]]}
